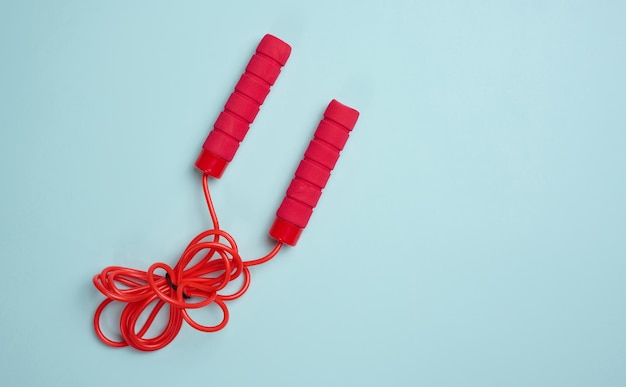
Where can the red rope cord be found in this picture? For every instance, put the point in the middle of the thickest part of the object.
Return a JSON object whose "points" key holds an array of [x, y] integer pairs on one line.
{"points": [[188, 285]]}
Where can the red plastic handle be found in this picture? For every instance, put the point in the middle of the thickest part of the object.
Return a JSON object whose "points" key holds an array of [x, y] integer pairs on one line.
{"points": [[244, 103], [313, 172]]}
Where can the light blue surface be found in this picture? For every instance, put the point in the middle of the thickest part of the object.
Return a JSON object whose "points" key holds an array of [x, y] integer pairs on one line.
{"points": [[473, 233]]}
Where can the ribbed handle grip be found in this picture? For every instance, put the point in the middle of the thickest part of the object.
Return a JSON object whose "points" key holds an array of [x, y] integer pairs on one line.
{"points": [[244, 103], [313, 172]]}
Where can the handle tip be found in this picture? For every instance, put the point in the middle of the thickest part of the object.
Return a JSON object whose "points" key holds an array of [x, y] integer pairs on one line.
{"points": [[211, 164], [285, 232], [341, 114], [275, 48]]}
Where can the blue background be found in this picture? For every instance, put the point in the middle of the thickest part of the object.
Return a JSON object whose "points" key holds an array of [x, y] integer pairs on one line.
{"points": [[472, 234]]}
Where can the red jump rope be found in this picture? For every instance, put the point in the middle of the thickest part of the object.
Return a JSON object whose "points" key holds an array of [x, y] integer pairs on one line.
{"points": [[211, 260]]}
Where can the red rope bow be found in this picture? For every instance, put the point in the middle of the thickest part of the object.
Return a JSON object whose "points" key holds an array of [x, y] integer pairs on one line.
{"points": [[189, 285]]}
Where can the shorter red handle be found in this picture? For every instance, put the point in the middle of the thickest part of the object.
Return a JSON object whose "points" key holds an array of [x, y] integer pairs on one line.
{"points": [[313, 172], [242, 106]]}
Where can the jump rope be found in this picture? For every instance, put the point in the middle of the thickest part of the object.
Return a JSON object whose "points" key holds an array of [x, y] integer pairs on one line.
{"points": [[212, 260]]}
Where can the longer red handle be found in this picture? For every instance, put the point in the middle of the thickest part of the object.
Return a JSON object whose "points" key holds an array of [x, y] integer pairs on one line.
{"points": [[244, 103], [313, 172]]}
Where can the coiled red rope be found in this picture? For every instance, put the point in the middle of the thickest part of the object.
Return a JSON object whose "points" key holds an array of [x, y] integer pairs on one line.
{"points": [[208, 264]]}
